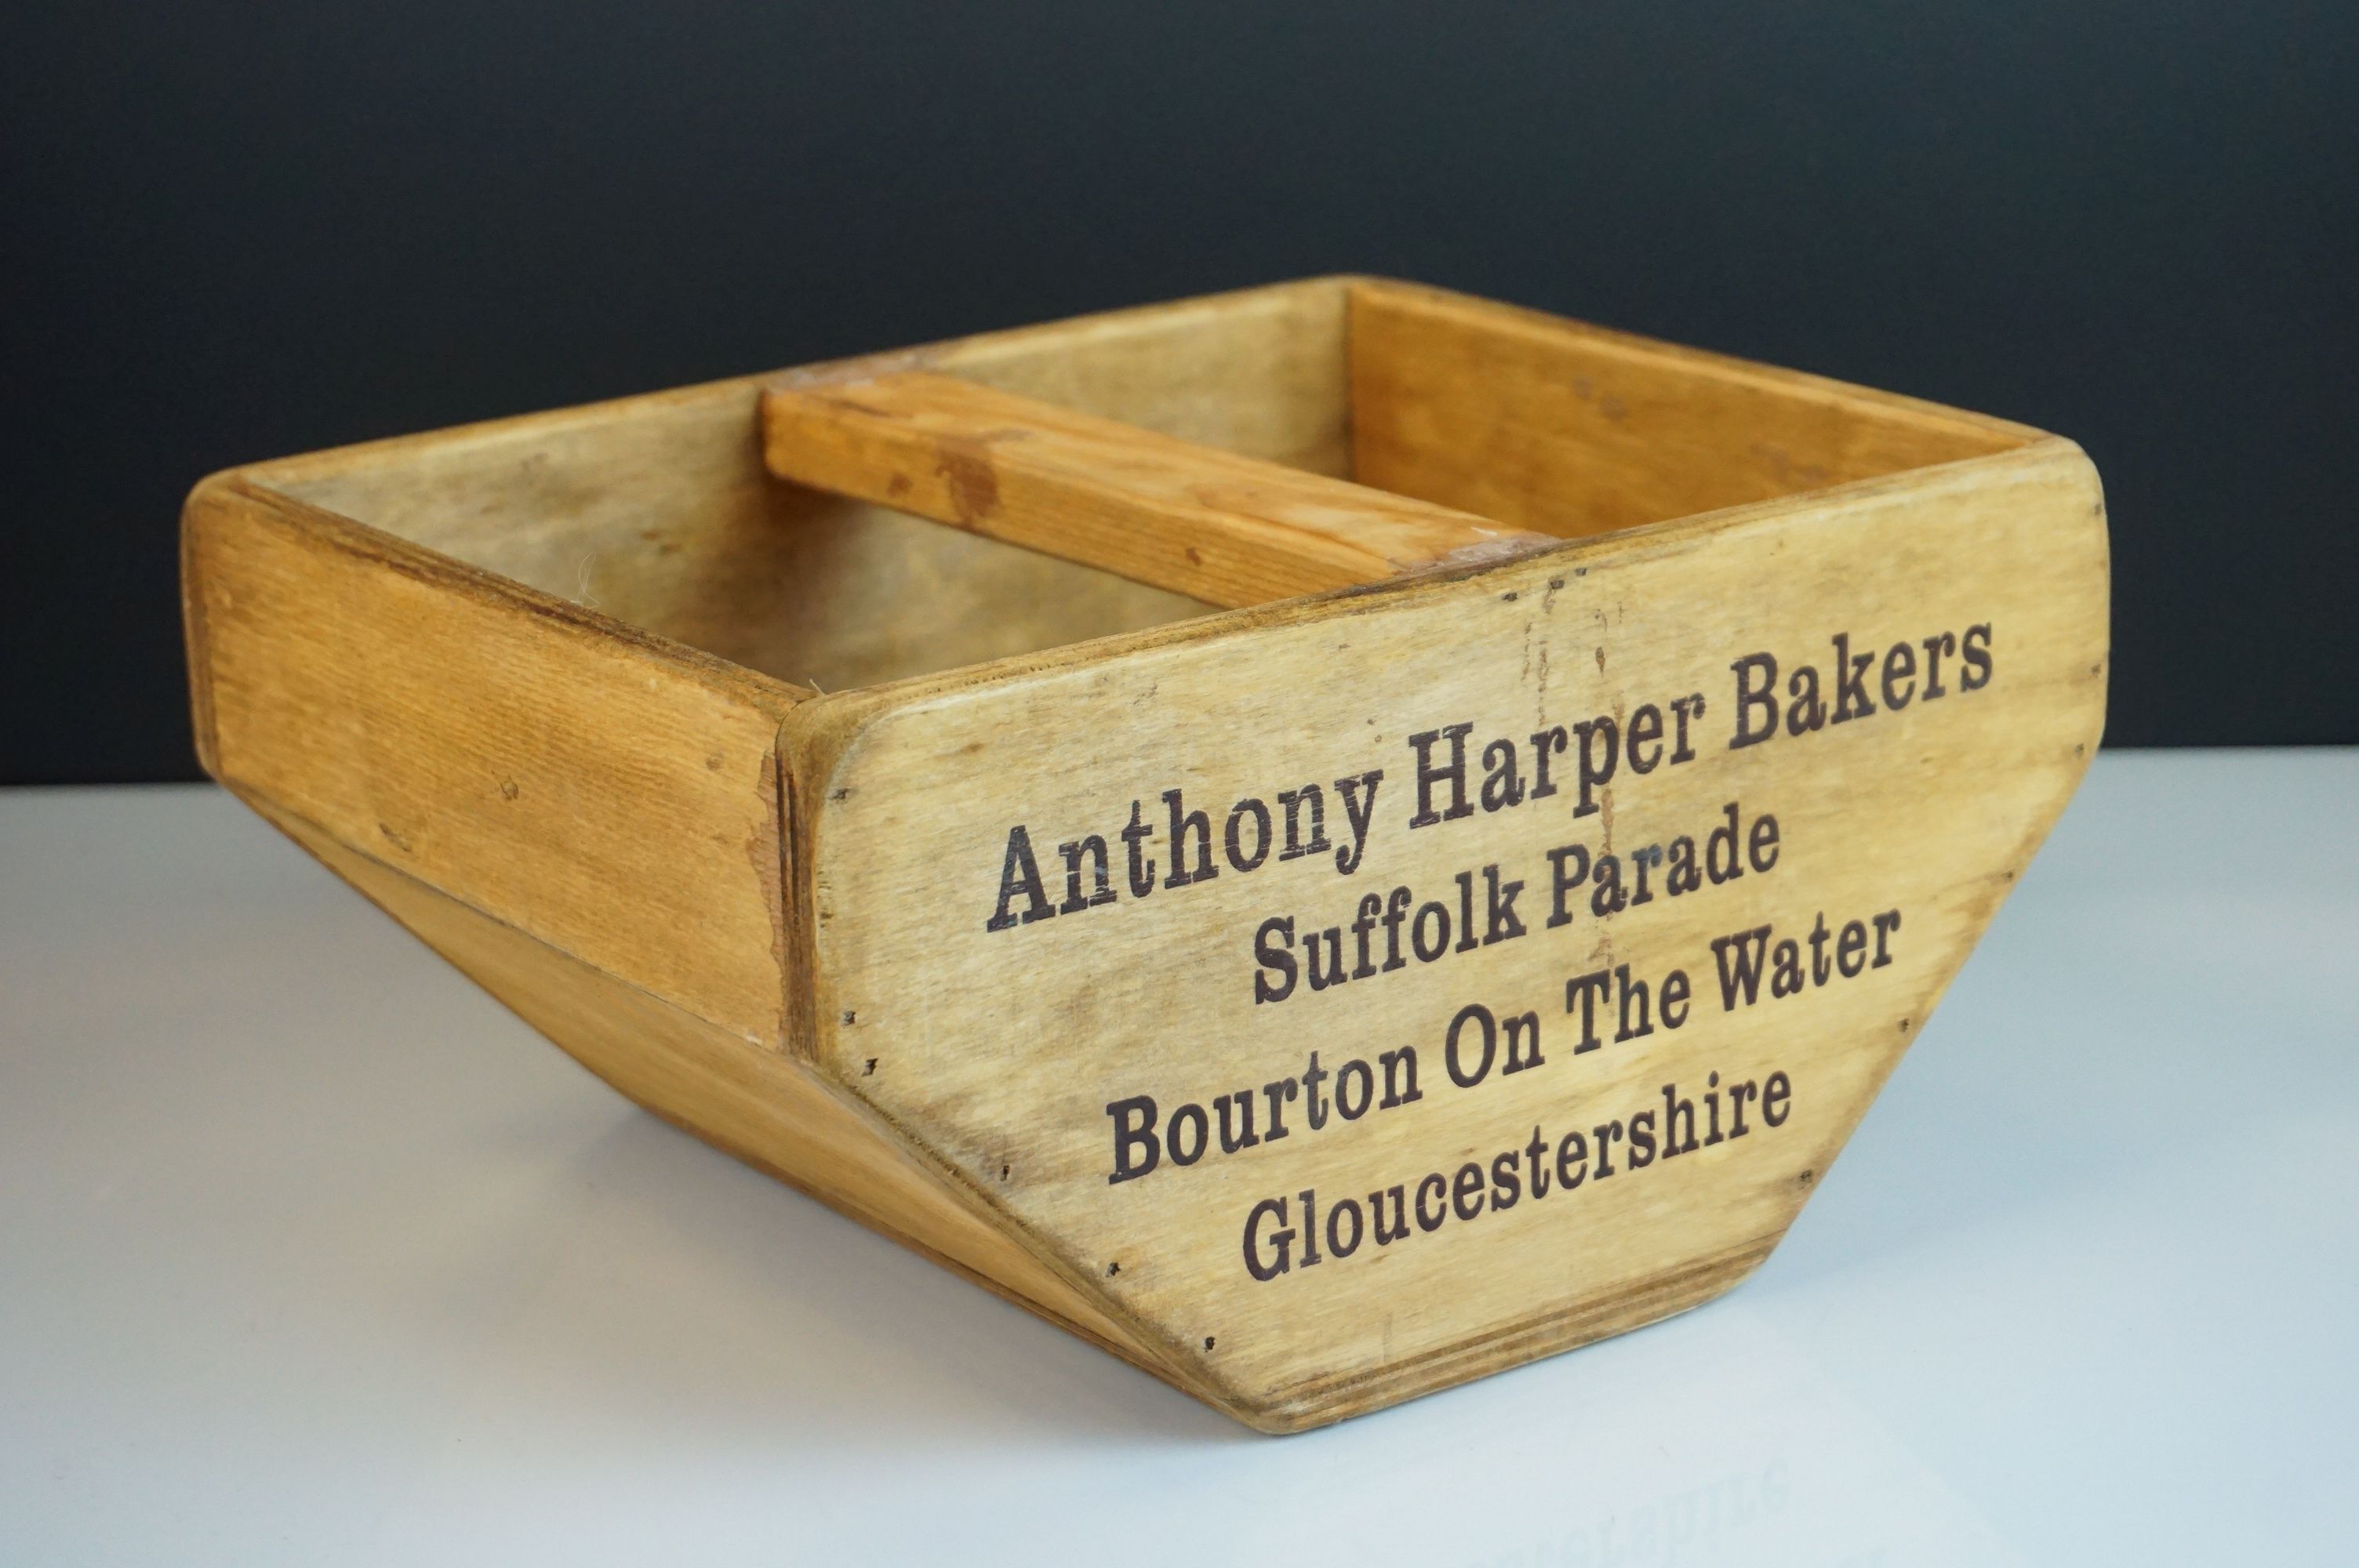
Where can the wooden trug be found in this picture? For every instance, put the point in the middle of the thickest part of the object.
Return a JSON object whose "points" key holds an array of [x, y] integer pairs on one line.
{"points": [[735, 737]]}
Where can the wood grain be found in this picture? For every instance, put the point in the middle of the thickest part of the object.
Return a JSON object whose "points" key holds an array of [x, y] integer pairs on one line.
{"points": [[615, 795], [567, 695], [1562, 429], [1217, 526], [1259, 371], [656, 512], [1005, 1047]]}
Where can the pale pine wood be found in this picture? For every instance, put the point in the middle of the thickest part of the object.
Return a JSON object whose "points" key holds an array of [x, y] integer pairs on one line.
{"points": [[1933, 810], [1259, 373], [615, 796], [1568, 429], [594, 772], [1217, 526], [655, 509], [657, 512]]}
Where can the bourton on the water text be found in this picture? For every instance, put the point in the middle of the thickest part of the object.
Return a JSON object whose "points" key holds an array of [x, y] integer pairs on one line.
{"points": [[1452, 777]]}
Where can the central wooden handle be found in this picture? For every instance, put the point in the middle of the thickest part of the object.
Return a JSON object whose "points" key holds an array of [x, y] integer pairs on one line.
{"points": [[1220, 527]]}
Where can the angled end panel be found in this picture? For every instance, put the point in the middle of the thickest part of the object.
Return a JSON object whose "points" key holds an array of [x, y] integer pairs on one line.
{"points": [[1614, 930], [750, 1103]]}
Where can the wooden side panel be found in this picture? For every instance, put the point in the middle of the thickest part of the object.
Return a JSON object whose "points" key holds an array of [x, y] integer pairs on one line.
{"points": [[615, 796], [1224, 528], [749, 1102], [1566, 429], [1543, 784]]}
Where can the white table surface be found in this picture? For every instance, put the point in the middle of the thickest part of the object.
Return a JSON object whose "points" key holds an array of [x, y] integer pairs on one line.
{"points": [[310, 1253]]}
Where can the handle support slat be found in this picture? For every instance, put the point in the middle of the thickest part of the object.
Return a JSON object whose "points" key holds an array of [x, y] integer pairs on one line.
{"points": [[1227, 529]]}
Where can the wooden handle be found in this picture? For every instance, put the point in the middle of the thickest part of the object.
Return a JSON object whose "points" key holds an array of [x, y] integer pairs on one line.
{"points": [[1226, 529]]}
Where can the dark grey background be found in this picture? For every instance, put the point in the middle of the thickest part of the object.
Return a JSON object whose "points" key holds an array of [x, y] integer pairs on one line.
{"points": [[227, 235]]}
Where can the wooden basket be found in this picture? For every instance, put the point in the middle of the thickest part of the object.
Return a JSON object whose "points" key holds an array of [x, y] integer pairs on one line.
{"points": [[1418, 861]]}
